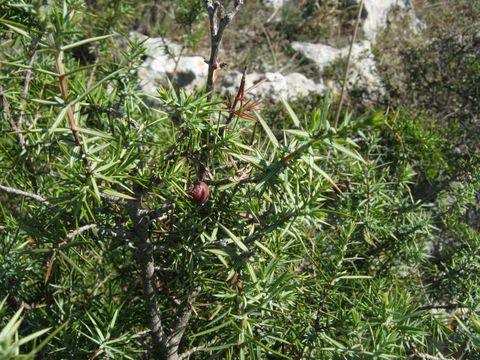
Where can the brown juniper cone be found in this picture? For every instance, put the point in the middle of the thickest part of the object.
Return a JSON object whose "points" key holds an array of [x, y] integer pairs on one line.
{"points": [[200, 192]]}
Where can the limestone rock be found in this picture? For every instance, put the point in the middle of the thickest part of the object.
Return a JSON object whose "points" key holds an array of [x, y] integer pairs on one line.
{"points": [[273, 85], [275, 4], [164, 64], [378, 15], [363, 74], [322, 55]]}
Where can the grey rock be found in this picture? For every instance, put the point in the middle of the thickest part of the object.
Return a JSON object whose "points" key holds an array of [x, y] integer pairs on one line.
{"points": [[322, 55], [164, 63], [378, 15], [363, 74], [271, 85], [275, 4]]}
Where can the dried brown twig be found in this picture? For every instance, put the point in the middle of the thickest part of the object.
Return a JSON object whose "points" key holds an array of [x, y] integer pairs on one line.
{"points": [[246, 109], [71, 116]]}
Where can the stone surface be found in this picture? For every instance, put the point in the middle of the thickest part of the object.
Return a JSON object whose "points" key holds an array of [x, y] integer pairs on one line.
{"points": [[363, 74], [378, 15], [164, 64], [273, 85], [276, 4], [322, 55]]}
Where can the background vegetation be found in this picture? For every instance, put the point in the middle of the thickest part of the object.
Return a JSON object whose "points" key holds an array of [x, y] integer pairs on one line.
{"points": [[317, 242]]}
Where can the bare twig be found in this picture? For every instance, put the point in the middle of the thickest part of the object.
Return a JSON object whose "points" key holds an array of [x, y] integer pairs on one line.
{"points": [[70, 114], [417, 354], [442, 306], [217, 28], [26, 87], [32, 196], [347, 67], [190, 352], [238, 98], [114, 199], [218, 24], [115, 233], [80, 230]]}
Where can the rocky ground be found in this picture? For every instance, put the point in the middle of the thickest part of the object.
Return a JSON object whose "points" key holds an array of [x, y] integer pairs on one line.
{"points": [[322, 63]]}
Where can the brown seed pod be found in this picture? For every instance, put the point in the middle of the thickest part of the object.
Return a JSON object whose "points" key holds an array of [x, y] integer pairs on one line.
{"points": [[199, 192]]}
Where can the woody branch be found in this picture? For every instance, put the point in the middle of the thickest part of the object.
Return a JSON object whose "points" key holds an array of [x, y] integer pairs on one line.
{"points": [[218, 24]]}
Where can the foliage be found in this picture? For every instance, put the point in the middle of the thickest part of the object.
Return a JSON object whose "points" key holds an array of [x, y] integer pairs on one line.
{"points": [[435, 71], [10, 342], [316, 242], [442, 76]]}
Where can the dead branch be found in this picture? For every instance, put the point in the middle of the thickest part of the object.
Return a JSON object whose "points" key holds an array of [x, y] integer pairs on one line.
{"points": [[32, 196], [115, 233], [71, 116], [190, 352], [218, 24], [347, 67]]}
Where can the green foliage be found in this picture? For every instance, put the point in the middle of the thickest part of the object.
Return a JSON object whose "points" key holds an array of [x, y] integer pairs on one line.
{"points": [[316, 242], [435, 71], [443, 76], [10, 343]]}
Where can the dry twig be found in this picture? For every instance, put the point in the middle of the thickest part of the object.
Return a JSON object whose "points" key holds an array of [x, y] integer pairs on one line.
{"points": [[32, 196], [114, 233], [218, 24], [71, 116]]}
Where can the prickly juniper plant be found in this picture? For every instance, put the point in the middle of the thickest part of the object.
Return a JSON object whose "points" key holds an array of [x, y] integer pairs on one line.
{"points": [[303, 242]]}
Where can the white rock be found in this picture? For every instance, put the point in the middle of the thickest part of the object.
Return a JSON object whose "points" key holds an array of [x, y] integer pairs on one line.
{"points": [[276, 4], [190, 73], [164, 64], [378, 12], [322, 55], [273, 85], [363, 73]]}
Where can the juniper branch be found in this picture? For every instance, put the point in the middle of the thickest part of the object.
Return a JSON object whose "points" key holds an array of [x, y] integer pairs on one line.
{"points": [[30, 195]]}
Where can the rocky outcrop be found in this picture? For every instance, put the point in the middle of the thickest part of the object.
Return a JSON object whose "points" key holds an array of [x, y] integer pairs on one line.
{"points": [[164, 64], [363, 74], [275, 4], [378, 12], [271, 85]]}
